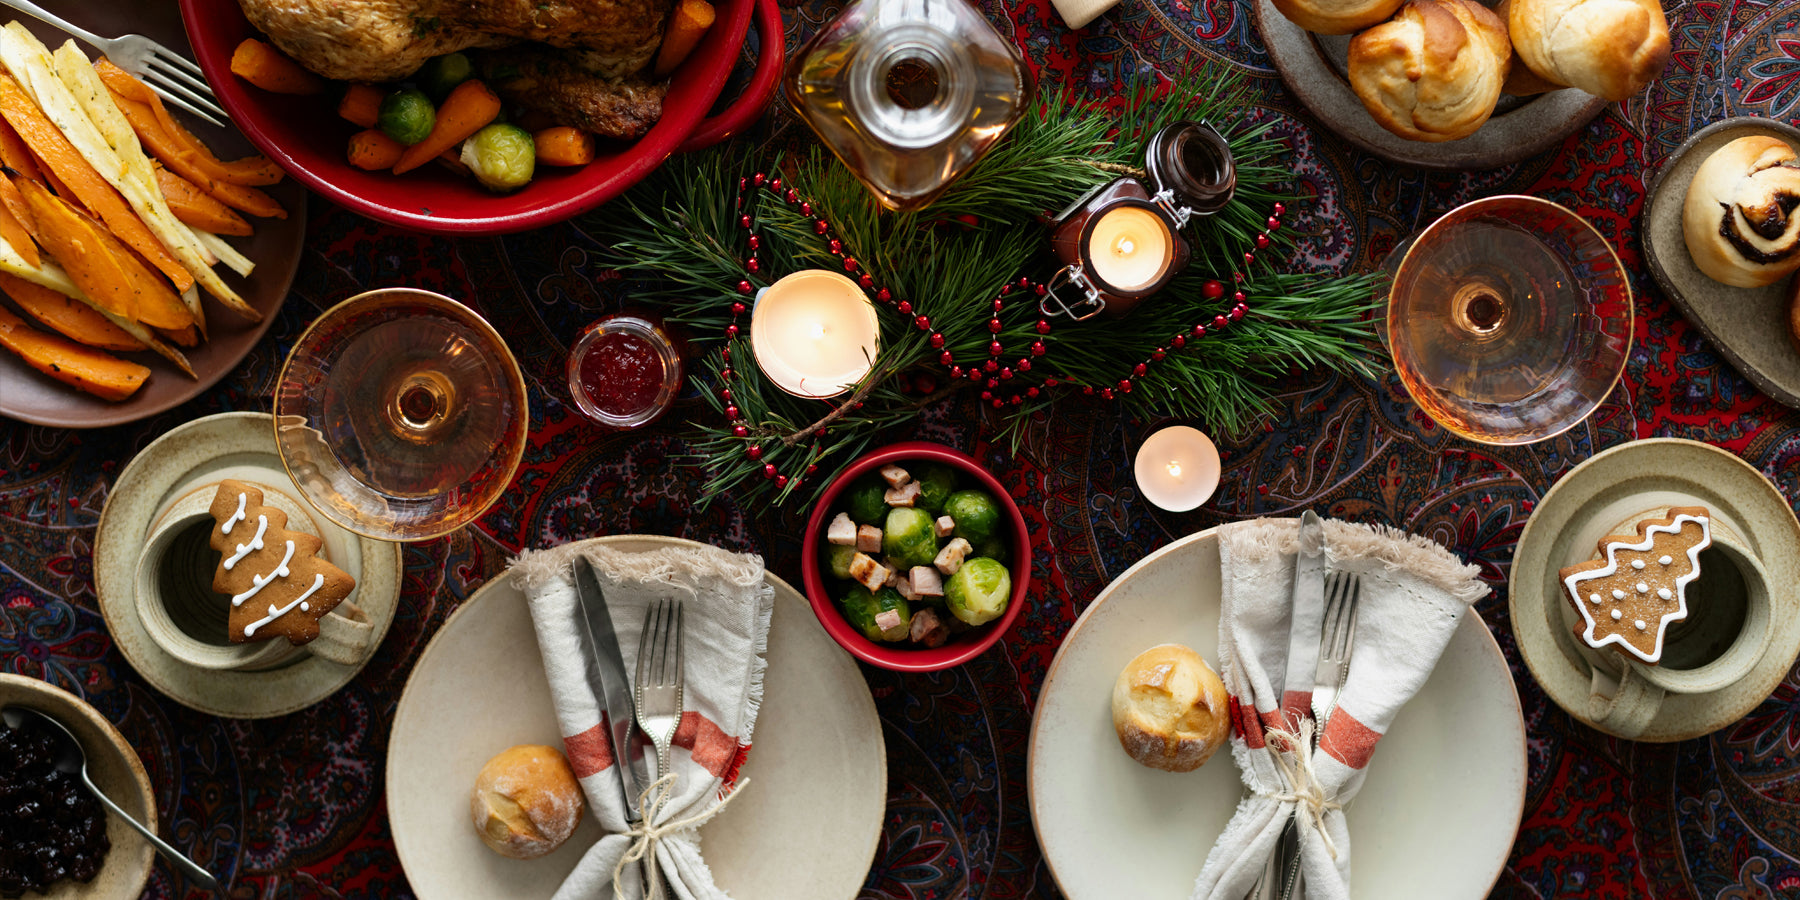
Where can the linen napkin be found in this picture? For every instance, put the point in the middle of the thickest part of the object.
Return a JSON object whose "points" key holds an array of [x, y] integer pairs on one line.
{"points": [[1077, 13], [727, 605], [1414, 595]]}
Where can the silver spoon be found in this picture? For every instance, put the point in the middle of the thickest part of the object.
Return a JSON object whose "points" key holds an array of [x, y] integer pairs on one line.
{"points": [[70, 758]]}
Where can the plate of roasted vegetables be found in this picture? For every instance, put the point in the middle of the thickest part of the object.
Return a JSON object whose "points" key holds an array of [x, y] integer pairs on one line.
{"points": [[139, 261], [461, 118]]}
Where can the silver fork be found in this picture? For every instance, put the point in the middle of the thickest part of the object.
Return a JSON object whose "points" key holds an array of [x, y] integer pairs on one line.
{"points": [[659, 678], [1337, 638], [171, 75]]}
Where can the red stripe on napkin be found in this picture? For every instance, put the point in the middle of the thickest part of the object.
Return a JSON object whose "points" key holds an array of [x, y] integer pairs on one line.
{"points": [[1248, 726], [1350, 741], [1297, 704], [710, 746], [589, 751]]}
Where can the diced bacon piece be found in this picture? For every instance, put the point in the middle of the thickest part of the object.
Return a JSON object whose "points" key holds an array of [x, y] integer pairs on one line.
{"points": [[868, 572], [868, 539], [904, 495], [841, 531], [905, 587], [944, 526], [893, 579], [928, 629], [894, 475], [925, 582], [951, 557], [888, 619]]}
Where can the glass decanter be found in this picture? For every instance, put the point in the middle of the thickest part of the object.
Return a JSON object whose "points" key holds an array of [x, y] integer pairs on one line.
{"points": [[909, 93]]}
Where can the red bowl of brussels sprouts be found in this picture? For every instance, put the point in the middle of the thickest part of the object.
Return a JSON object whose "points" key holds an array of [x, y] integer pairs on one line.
{"points": [[915, 558]]}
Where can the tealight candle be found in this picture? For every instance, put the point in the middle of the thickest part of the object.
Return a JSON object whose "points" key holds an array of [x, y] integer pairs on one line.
{"points": [[814, 333], [1177, 468], [1130, 247]]}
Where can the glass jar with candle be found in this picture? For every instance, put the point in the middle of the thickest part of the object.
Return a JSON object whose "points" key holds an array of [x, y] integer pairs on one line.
{"points": [[624, 372], [814, 333], [908, 93], [1121, 243]]}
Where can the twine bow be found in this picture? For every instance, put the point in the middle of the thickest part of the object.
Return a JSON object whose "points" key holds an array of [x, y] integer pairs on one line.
{"points": [[647, 834], [1295, 763]]}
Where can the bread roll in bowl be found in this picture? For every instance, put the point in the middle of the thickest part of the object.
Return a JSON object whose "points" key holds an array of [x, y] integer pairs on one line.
{"points": [[1432, 73], [1170, 709], [1609, 48], [526, 801], [1738, 218], [1337, 16]]}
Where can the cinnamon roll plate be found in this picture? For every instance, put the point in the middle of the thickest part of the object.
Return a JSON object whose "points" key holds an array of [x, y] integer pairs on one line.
{"points": [[1721, 236]]}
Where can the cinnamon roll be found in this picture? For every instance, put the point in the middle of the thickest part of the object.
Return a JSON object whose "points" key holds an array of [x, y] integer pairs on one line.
{"points": [[1434, 72], [1738, 219]]}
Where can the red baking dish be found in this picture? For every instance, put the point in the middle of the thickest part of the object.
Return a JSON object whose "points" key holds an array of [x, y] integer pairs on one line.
{"points": [[305, 136]]}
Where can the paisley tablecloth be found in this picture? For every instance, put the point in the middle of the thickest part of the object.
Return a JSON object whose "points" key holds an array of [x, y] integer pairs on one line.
{"points": [[292, 807]]}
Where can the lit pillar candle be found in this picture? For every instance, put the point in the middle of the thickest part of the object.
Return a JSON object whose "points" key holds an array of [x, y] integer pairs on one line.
{"points": [[814, 333], [1129, 247], [1177, 468]]}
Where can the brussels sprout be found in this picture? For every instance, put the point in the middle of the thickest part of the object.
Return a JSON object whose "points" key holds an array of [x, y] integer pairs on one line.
{"points": [[909, 539], [838, 559], [441, 74], [993, 548], [975, 513], [936, 481], [867, 500], [979, 591], [406, 116], [501, 156], [861, 609]]}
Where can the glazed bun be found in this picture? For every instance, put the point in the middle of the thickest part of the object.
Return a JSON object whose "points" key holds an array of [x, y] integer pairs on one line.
{"points": [[526, 801], [1434, 72], [1609, 48], [1336, 16], [1170, 709], [1738, 218]]}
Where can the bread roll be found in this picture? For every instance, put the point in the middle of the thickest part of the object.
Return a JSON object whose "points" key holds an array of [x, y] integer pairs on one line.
{"points": [[1170, 709], [1434, 72], [1609, 48], [1337, 16], [1738, 218], [526, 801]]}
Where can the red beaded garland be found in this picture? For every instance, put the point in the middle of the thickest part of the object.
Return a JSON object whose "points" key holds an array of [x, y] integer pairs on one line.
{"points": [[1139, 369], [731, 331], [744, 287], [755, 242], [1239, 296], [769, 470], [849, 264], [1212, 290], [883, 295], [820, 227], [945, 359], [1199, 331], [836, 246], [905, 307], [731, 412], [1037, 348], [1043, 326], [740, 431], [937, 338], [781, 481], [758, 179], [1262, 242], [1179, 341], [866, 281], [994, 326], [744, 221], [753, 265], [754, 451], [1023, 365]]}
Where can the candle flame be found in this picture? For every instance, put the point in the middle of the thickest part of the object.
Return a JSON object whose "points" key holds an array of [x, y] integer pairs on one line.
{"points": [[1174, 468], [1126, 246], [818, 331]]}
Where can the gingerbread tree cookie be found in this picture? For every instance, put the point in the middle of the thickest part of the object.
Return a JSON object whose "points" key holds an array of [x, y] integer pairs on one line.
{"points": [[1628, 596], [279, 586]]}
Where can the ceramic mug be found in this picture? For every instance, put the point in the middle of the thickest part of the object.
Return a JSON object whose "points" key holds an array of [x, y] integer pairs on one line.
{"points": [[1726, 632], [187, 618]]}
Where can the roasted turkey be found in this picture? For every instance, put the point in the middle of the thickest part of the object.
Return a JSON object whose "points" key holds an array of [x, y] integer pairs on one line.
{"points": [[585, 76]]}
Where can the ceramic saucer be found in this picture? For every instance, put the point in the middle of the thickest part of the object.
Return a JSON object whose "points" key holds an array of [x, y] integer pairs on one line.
{"points": [[1607, 489], [228, 445], [116, 771], [1749, 326]]}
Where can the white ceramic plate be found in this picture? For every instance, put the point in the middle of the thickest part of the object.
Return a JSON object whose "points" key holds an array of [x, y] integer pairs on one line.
{"points": [[805, 828], [1441, 805]]}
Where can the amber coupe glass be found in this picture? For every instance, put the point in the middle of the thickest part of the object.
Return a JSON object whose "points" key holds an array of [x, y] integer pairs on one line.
{"points": [[401, 414], [1509, 319]]}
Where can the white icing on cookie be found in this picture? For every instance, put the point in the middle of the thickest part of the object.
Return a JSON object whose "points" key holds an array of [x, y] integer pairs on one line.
{"points": [[1593, 598], [256, 543], [1664, 593], [1641, 625], [258, 582], [1618, 594], [1643, 588], [1667, 560], [1617, 615], [300, 601], [236, 517]]}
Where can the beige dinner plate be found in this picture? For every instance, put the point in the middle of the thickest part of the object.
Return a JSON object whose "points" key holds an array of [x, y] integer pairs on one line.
{"points": [[1603, 491], [1749, 326], [806, 827], [1441, 805], [116, 771], [275, 248], [228, 445], [1313, 68]]}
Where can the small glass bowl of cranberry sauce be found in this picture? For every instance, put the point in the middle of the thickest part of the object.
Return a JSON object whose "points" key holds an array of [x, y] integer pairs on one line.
{"points": [[624, 372]]}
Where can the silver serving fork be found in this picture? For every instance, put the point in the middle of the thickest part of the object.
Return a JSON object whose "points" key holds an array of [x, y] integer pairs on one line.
{"points": [[1336, 641], [172, 76]]}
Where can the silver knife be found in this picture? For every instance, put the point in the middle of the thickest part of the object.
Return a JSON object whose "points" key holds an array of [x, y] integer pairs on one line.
{"points": [[615, 688], [1309, 593]]}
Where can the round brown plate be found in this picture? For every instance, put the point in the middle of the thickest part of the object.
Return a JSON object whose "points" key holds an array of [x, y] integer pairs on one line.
{"points": [[1748, 325], [1313, 68], [275, 248]]}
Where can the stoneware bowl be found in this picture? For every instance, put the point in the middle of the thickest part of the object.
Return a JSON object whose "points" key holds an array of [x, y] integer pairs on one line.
{"points": [[116, 770], [905, 657], [305, 136]]}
